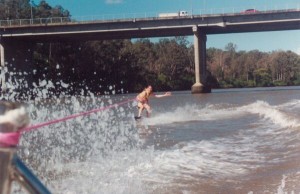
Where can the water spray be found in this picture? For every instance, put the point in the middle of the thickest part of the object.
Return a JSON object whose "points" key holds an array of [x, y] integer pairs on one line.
{"points": [[13, 118], [13, 121]]}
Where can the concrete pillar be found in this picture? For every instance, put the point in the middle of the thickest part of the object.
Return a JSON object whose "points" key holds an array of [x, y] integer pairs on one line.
{"points": [[200, 62], [2, 67]]}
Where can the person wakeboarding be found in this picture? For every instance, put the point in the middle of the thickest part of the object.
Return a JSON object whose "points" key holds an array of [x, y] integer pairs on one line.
{"points": [[143, 100]]}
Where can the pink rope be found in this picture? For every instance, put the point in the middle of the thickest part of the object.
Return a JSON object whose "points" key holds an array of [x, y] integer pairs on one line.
{"points": [[9, 139], [12, 139], [30, 128]]}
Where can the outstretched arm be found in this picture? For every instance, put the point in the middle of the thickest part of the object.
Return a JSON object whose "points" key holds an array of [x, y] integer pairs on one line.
{"points": [[163, 95]]}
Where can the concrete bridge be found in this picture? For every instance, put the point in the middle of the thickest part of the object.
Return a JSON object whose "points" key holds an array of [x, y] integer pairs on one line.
{"points": [[19, 36]]}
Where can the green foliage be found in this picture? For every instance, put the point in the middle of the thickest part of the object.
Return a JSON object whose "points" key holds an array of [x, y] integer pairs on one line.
{"points": [[263, 77], [238, 83], [279, 83], [250, 83], [296, 81], [26, 9]]}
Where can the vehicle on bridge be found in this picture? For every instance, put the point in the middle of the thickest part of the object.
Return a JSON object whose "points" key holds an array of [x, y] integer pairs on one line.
{"points": [[250, 11], [178, 14]]}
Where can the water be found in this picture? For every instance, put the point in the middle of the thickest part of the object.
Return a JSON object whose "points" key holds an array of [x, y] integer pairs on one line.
{"points": [[228, 141]]}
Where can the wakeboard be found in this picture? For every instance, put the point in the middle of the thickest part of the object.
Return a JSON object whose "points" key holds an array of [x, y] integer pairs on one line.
{"points": [[137, 118]]}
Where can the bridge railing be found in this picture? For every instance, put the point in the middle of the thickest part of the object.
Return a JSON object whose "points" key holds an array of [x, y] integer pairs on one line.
{"points": [[133, 16], [26, 22]]}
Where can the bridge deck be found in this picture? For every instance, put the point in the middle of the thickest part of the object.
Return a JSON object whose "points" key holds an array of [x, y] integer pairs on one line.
{"points": [[65, 29]]}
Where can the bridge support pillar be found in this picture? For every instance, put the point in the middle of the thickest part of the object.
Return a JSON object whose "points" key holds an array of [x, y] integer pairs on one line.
{"points": [[16, 58], [2, 68], [200, 62]]}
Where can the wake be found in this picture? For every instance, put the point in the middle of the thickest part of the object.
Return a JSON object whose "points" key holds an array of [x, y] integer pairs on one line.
{"points": [[279, 114], [282, 115]]}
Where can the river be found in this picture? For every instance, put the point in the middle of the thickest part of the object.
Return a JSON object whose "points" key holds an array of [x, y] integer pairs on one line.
{"points": [[228, 141]]}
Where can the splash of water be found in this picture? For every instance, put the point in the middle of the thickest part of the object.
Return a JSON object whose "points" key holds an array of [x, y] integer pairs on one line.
{"points": [[51, 151]]}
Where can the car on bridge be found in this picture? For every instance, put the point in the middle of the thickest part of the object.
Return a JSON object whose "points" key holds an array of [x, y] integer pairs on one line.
{"points": [[250, 11]]}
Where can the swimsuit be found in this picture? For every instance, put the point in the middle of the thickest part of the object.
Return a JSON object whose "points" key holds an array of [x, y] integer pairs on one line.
{"points": [[143, 97]]}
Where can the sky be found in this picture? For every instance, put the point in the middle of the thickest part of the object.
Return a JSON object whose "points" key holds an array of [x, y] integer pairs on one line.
{"points": [[263, 41]]}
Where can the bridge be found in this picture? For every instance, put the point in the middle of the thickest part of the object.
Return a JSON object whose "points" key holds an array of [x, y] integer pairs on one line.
{"points": [[19, 36]]}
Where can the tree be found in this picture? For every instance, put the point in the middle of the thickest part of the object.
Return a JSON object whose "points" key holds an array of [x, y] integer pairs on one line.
{"points": [[173, 62], [285, 66], [14, 9], [263, 77]]}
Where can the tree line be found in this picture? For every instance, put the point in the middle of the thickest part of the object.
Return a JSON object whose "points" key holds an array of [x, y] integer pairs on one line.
{"points": [[27, 9], [122, 66]]}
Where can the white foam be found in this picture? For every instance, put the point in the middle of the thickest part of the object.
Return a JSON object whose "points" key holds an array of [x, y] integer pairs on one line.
{"points": [[194, 113], [112, 174], [189, 161], [281, 187], [272, 113], [293, 104], [275, 114]]}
